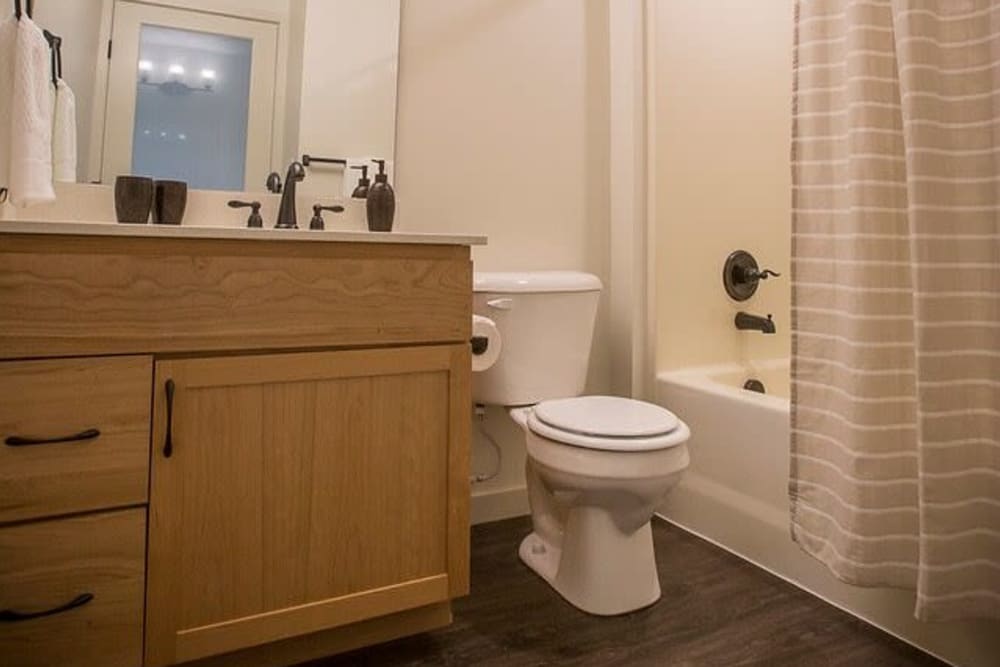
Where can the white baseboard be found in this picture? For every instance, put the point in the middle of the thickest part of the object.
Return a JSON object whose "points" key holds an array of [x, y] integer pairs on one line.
{"points": [[499, 504]]}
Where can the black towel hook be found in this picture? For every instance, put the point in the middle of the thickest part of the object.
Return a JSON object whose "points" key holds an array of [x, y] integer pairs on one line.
{"points": [[55, 53], [17, 8]]}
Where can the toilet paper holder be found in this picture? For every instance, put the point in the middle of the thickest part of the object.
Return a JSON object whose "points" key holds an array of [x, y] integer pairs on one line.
{"points": [[479, 344]]}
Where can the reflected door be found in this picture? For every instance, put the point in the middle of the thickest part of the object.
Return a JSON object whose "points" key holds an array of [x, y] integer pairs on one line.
{"points": [[190, 97]]}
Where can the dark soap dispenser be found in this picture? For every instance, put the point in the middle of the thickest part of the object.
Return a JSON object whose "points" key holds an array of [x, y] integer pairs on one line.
{"points": [[381, 201], [361, 190]]}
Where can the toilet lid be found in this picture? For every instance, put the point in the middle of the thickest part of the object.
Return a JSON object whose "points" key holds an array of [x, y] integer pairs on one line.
{"points": [[606, 417], [645, 427]]}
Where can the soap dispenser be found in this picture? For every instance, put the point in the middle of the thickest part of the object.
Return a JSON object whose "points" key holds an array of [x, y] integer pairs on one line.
{"points": [[381, 201], [361, 191]]}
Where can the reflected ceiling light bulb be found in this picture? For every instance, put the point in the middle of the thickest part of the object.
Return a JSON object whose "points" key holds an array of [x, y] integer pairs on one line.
{"points": [[208, 74], [176, 69], [182, 136], [145, 66]]}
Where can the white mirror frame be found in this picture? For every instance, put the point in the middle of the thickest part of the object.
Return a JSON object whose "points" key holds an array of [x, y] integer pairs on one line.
{"points": [[100, 100]]}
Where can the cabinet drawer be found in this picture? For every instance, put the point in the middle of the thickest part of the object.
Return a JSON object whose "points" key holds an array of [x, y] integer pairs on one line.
{"points": [[58, 399], [45, 565]]}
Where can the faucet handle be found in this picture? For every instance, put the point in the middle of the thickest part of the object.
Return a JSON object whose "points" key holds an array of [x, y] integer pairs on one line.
{"points": [[273, 182], [254, 220], [741, 275], [763, 275], [317, 219]]}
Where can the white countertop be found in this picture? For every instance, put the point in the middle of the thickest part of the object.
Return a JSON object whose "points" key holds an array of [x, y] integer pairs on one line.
{"points": [[242, 233]]}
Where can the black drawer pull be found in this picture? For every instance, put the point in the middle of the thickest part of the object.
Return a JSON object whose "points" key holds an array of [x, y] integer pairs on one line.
{"points": [[11, 616], [168, 441], [18, 441]]}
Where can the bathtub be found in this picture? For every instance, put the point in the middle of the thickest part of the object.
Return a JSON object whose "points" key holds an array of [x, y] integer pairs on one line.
{"points": [[734, 494]]}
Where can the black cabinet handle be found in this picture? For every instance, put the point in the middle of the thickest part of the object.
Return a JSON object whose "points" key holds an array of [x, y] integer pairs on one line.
{"points": [[18, 441], [11, 616], [168, 441]]}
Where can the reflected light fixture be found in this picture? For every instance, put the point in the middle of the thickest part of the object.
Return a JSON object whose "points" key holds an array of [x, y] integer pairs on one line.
{"points": [[174, 85], [145, 67], [207, 78]]}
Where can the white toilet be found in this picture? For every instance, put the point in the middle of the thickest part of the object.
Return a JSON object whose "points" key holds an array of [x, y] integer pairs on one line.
{"points": [[597, 465]]}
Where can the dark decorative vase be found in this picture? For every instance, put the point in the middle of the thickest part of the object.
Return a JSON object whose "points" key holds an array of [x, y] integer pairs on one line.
{"points": [[133, 199], [169, 200]]}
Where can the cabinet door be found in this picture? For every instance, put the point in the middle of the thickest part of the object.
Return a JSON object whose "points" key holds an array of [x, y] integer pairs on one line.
{"points": [[304, 492]]}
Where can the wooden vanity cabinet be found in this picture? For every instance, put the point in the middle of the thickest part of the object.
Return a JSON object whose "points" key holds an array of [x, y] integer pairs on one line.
{"points": [[314, 494]]}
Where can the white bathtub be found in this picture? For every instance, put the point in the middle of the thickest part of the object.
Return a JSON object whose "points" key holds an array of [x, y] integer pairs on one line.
{"points": [[735, 495]]}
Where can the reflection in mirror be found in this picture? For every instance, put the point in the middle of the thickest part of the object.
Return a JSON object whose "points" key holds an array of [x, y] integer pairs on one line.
{"points": [[220, 93], [191, 107]]}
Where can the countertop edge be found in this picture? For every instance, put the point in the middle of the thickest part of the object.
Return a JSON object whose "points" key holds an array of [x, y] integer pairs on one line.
{"points": [[237, 233]]}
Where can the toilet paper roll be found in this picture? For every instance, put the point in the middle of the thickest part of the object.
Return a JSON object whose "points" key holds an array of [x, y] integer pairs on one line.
{"points": [[487, 328]]}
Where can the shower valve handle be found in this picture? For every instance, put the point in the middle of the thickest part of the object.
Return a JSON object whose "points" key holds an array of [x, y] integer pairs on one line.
{"points": [[762, 275], [752, 274]]}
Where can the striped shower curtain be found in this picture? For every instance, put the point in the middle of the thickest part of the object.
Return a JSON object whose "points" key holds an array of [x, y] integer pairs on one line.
{"points": [[895, 477]]}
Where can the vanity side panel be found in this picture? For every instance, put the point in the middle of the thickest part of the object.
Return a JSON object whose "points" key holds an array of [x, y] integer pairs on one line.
{"points": [[78, 295]]}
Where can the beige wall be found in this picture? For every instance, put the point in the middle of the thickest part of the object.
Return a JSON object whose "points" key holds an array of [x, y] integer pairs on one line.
{"points": [[503, 130], [722, 97]]}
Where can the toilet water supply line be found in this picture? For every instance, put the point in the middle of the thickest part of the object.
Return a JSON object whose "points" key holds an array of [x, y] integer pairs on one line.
{"points": [[480, 411]]}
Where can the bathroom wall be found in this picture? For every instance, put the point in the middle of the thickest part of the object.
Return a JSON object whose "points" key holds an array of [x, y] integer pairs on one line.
{"points": [[721, 86], [502, 130]]}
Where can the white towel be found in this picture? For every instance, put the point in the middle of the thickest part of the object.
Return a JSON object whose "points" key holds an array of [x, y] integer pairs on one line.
{"points": [[64, 134], [29, 157]]}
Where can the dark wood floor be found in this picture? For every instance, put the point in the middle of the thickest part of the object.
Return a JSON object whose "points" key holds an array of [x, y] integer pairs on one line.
{"points": [[716, 610]]}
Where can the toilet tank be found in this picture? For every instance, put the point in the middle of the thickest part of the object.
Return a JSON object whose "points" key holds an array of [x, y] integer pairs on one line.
{"points": [[546, 323]]}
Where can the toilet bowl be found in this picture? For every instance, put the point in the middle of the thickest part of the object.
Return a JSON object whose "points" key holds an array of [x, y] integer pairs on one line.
{"points": [[597, 468]]}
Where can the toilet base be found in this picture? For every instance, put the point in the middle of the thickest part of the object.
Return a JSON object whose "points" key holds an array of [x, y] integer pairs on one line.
{"points": [[597, 568]]}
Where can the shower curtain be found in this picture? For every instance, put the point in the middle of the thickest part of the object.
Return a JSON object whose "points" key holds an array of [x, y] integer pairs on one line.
{"points": [[895, 477]]}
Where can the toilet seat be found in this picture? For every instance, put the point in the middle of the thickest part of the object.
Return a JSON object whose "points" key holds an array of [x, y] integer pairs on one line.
{"points": [[607, 423]]}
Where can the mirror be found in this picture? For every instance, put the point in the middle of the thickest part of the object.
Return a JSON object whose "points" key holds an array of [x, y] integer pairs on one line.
{"points": [[220, 93]]}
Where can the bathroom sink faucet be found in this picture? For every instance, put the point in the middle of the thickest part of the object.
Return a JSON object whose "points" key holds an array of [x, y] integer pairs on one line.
{"points": [[286, 212], [746, 321]]}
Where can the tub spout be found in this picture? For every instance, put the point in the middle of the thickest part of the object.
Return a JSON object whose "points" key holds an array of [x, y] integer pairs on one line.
{"points": [[746, 321]]}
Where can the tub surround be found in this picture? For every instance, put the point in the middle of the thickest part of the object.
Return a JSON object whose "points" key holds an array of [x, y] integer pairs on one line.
{"points": [[246, 496], [734, 61]]}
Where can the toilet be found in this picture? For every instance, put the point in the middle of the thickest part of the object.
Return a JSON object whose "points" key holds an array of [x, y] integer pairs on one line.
{"points": [[597, 466]]}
